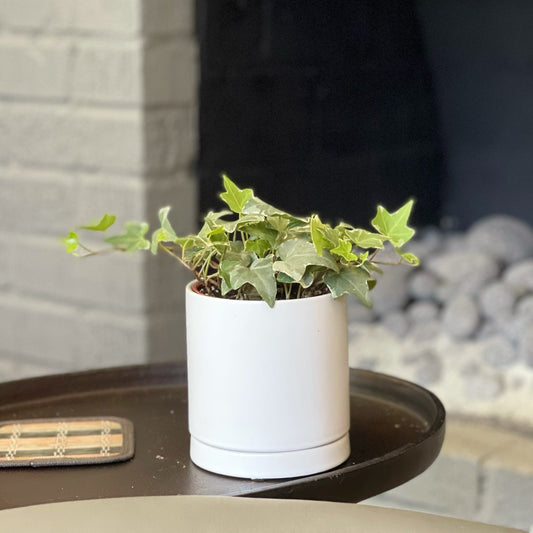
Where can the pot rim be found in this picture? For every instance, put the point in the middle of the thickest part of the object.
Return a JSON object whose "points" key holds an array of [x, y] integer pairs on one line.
{"points": [[294, 301]]}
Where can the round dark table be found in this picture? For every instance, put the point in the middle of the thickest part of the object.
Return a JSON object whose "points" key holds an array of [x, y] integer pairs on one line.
{"points": [[397, 429]]}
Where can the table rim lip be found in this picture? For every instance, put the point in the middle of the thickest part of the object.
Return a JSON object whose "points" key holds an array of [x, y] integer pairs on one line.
{"points": [[170, 370]]}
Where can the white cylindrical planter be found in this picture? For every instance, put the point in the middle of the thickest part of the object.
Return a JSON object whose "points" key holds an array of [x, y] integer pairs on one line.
{"points": [[268, 388]]}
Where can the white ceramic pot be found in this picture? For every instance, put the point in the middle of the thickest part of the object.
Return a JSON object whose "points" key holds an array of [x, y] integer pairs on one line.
{"points": [[268, 388]]}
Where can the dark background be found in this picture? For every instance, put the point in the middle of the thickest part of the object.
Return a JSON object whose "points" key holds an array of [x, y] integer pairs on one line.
{"points": [[333, 107]]}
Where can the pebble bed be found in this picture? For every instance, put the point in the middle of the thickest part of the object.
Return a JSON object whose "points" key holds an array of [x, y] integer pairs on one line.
{"points": [[461, 324]]}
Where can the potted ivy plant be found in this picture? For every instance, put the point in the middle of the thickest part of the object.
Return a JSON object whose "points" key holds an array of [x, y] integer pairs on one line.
{"points": [[267, 348]]}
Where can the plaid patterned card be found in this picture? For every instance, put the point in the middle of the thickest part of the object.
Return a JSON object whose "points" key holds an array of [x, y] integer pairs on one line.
{"points": [[65, 441]]}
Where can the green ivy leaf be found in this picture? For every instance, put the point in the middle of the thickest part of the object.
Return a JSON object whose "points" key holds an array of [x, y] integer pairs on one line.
{"points": [[394, 225], [133, 237], [71, 242], [258, 246], [344, 250], [366, 239], [412, 259], [255, 206], [241, 224], [322, 235], [349, 281], [259, 274], [297, 254], [102, 225], [305, 282], [235, 198], [262, 230], [212, 221], [165, 233]]}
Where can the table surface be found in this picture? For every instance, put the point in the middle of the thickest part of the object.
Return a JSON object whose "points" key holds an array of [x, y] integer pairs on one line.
{"points": [[397, 429]]}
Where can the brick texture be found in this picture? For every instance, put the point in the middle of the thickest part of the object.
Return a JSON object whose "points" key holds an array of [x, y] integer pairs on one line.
{"points": [[98, 113], [34, 69]]}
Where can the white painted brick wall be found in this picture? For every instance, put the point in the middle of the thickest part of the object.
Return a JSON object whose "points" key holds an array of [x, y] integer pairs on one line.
{"points": [[83, 132], [36, 15], [108, 72], [33, 68]]}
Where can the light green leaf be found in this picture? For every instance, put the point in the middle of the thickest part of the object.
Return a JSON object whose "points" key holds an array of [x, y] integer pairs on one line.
{"points": [[165, 233], [101, 225], [260, 275], [344, 250], [235, 198], [297, 254], [262, 230], [241, 224], [349, 281], [394, 225], [212, 221], [366, 239], [71, 242], [224, 270], [412, 259], [305, 282], [259, 246], [165, 224], [322, 235], [133, 237], [255, 206]]}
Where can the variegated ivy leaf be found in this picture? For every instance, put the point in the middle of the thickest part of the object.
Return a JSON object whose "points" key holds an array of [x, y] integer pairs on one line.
{"points": [[212, 221], [165, 233], [71, 242], [394, 225], [133, 237], [322, 235], [233, 196], [259, 246], [259, 275], [366, 239], [305, 282], [412, 259], [105, 222], [297, 254], [219, 239], [255, 206], [344, 250], [350, 280], [263, 230], [241, 224]]}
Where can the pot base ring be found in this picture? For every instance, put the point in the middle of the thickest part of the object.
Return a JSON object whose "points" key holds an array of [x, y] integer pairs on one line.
{"points": [[270, 465]]}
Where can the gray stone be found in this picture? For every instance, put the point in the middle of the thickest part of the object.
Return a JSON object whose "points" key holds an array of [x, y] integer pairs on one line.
{"points": [[422, 311], [396, 322], [391, 292], [488, 329], [445, 292], [525, 346], [367, 363], [483, 385], [427, 244], [425, 331], [499, 352], [357, 312], [422, 285], [468, 270], [455, 242], [461, 317], [496, 299], [427, 366], [524, 306], [514, 327], [505, 238], [519, 277]]}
